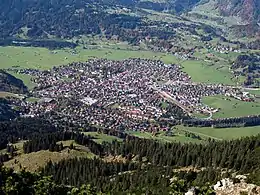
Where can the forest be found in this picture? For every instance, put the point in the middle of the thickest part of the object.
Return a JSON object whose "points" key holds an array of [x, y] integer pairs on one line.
{"points": [[6, 111], [50, 44], [145, 166], [9, 83], [249, 67], [246, 121], [138, 182]]}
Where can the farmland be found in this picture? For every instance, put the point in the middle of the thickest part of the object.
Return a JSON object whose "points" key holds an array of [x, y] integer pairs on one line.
{"points": [[202, 72]]}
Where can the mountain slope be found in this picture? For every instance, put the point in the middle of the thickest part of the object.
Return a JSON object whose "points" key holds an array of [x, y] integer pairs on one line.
{"points": [[247, 10]]}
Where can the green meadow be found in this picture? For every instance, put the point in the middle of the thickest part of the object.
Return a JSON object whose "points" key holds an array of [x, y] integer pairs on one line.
{"points": [[202, 72], [230, 107], [42, 58], [223, 133]]}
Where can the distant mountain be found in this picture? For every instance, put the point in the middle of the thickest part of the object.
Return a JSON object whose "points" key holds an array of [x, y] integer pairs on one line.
{"points": [[11, 84], [44, 19], [247, 10]]}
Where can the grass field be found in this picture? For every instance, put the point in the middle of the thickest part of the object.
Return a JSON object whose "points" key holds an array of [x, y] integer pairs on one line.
{"points": [[42, 58], [101, 137], [255, 92], [223, 133], [230, 107], [202, 72], [178, 137]]}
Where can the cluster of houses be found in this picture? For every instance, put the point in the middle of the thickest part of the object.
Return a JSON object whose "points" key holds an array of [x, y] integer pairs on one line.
{"points": [[123, 94], [190, 94]]}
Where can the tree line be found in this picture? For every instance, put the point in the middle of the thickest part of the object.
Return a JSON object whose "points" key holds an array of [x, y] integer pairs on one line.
{"points": [[50, 44], [49, 142], [246, 121], [149, 180]]}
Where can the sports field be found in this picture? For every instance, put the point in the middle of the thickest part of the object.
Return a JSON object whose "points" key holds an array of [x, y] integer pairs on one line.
{"points": [[230, 107]]}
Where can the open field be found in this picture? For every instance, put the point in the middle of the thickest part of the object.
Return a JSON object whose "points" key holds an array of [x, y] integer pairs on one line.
{"points": [[230, 107], [101, 137], [42, 58], [177, 137], [202, 72], [254, 92], [222, 133]]}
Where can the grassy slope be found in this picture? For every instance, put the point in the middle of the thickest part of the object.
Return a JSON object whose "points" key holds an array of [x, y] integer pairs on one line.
{"points": [[25, 78], [4, 94], [232, 108], [33, 161]]}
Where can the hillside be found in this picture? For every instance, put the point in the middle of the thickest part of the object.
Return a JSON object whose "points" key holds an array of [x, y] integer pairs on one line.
{"points": [[6, 111], [248, 10], [68, 19], [129, 97], [11, 84], [132, 165]]}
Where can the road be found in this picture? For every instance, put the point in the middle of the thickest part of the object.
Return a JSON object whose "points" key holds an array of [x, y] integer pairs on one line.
{"points": [[174, 101]]}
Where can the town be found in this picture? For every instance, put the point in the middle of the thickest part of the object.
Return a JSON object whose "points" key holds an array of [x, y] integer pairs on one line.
{"points": [[136, 94]]}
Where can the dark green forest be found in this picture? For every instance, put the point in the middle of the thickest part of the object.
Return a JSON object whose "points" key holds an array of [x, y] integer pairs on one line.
{"points": [[147, 167]]}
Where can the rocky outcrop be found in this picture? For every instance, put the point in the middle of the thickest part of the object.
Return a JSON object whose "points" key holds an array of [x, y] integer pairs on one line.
{"points": [[229, 187]]}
